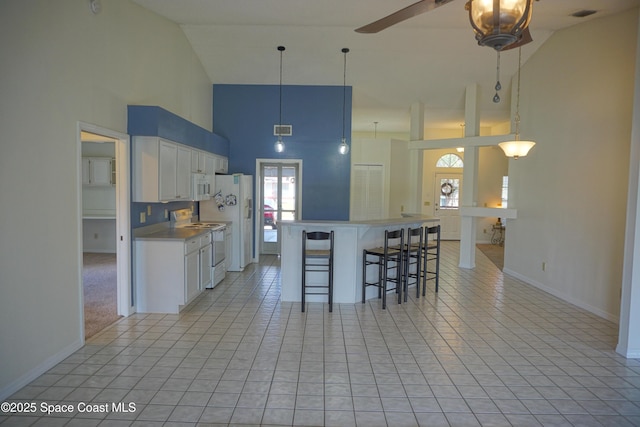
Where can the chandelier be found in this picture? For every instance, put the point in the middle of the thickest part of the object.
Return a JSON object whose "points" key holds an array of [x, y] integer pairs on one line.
{"points": [[499, 23]]}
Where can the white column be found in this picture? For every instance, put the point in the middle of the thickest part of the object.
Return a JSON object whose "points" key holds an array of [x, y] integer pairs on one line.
{"points": [[629, 329], [470, 178], [415, 159]]}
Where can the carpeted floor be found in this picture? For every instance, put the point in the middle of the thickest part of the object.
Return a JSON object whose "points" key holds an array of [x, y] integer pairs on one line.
{"points": [[494, 252], [99, 279]]}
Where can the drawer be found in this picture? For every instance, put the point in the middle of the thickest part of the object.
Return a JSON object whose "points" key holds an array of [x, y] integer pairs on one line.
{"points": [[205, 239], [192, 244]]}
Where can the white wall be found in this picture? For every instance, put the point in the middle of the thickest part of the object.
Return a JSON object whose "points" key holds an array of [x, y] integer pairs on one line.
{"points": [[570, 192], [62, 64]]}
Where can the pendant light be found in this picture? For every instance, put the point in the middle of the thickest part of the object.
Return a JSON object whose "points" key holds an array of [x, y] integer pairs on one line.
{"points": [[344, 147], [279, 145], [517, 148], [499, 23]]}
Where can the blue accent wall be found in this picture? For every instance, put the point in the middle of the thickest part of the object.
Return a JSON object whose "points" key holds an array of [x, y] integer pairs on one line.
{"points": [[245, 116], [150, 120]]}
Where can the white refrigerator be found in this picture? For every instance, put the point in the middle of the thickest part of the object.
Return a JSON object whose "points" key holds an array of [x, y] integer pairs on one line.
{"points": [[232, 200]]}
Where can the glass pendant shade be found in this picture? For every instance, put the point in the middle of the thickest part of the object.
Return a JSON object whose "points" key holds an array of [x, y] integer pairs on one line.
{"points": [[344, 147], [498, 23], [516, 148], [279, 145]]}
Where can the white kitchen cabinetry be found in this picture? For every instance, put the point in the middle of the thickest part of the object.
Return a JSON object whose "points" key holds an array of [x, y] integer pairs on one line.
{"points": [[221, 164], [202, 162], [192, 278], [205, 262], [161, 170], [171, 273], [183, 175], [98, 171]]}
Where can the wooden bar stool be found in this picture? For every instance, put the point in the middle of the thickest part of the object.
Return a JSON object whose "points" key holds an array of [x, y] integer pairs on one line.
{"points": [[389, 260], [412, 260], [317, 258], [431, 253]]}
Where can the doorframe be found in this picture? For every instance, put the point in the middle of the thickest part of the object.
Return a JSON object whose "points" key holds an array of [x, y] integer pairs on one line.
{"points": [[123, 217], [436, 193], [258, 226]]}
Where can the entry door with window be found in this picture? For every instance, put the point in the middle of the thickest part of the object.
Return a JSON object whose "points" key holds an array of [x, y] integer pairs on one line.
{"points": [[280, 193], [447, 204]]}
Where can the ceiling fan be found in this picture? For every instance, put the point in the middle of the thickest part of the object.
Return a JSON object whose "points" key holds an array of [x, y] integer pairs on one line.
{"points": [[496, 25]]}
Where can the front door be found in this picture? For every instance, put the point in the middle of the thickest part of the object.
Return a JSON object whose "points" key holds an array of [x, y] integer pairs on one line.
{"points": [[280, 193], [447, 204]]}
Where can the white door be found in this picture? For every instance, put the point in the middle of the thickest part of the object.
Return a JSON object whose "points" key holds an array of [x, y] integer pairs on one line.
{"points": [[280, 188], [367, 189], [447, 204]]}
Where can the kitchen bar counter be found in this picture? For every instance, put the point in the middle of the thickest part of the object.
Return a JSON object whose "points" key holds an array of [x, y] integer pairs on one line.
{"points": [[350, 238]]}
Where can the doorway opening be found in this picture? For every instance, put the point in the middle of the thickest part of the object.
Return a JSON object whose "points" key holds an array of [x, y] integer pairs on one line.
{"points": [[104, 230], [279, 200]]}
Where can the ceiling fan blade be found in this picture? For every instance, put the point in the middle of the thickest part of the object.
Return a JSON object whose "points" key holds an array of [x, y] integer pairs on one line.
{"points": [[526, 38], [401, 15]]}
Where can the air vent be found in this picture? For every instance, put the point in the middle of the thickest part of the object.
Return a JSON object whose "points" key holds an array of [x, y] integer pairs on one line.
{"points": [[583, 13], [282, 130]]}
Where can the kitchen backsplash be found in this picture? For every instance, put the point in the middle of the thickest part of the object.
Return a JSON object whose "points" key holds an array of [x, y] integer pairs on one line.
{"points": [[157, 212]]}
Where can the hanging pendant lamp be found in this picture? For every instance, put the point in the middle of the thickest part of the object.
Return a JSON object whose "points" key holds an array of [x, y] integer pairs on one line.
{"points": [[499, 23], [517, 148], [279, 145], [344, 147]]}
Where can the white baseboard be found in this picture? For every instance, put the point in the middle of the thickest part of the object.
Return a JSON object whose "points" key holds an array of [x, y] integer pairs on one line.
{"points": [[34, 373], [633, 353], [608, 316]]}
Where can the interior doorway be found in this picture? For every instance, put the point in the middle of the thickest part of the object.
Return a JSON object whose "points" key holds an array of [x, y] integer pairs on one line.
{"points": [[104, 228], [447, 204], [279, 200]]}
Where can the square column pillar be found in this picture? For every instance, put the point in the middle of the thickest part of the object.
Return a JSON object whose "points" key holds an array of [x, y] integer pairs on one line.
{"points": [[415, 159], [470, 178]]}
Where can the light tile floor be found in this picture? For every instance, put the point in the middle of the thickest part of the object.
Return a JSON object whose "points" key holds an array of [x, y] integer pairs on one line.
{"points": [[487, 350]]}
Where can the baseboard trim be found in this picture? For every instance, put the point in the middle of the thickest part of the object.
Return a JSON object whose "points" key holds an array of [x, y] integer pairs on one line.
{"points": [[607, 316], [34, 373], [634, 353]]}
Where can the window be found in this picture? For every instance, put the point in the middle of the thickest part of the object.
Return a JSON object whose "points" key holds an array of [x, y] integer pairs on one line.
{"points": [[505, 191], [450, 161]]}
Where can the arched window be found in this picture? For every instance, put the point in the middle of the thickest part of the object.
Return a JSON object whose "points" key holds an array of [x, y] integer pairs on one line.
{"points": [[450, 161]]}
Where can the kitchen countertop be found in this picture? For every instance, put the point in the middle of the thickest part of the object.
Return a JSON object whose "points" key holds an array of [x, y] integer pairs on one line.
{"points": [[163, 231], [409, 219]]}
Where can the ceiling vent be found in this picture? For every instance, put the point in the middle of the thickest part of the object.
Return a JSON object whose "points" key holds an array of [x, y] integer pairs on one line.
{"points": [[583, 13], [282, 130]]}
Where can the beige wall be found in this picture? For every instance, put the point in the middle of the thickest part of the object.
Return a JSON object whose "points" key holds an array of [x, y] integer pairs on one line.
{"points": [[570, 192], [62, 64]]}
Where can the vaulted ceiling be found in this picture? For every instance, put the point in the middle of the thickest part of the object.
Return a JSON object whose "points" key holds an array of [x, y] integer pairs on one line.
{"points": [[430, 58]]}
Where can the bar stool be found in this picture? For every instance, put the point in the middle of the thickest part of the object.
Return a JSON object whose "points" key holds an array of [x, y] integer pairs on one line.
{"points": [[431, 252], [412, 258], [316, 258], [389, 260]]}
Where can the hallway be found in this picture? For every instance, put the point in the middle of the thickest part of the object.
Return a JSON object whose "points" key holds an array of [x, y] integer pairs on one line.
{"points": [[486, 350]]}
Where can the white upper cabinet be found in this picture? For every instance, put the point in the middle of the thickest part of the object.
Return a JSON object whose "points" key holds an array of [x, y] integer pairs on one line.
{"points": [[222, 165], [161, 170], [202, 162], [183, 173], [97, 171]]}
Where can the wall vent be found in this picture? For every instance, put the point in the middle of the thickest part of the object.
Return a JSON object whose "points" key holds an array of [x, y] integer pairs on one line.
{"points": [[282, 130]]}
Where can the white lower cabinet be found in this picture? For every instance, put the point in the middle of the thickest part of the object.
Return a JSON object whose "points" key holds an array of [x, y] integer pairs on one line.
{"points": [[169, 274]]}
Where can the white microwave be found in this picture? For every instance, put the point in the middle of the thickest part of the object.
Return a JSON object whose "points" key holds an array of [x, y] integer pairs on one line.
{"points": [[201, 189]]}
